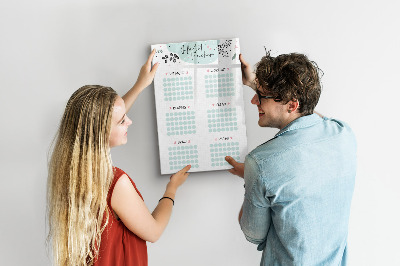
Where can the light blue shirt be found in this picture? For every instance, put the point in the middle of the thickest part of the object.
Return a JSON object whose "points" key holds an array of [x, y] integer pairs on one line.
{"points": [[298, 190]]}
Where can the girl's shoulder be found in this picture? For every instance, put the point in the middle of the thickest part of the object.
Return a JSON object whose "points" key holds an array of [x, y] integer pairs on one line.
{"points": [[118, 172]]}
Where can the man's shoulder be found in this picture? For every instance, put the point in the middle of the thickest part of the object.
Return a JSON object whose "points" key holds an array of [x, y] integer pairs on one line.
{"points": [[261, 151], [336, 128], [294, 140], [268, 150]]}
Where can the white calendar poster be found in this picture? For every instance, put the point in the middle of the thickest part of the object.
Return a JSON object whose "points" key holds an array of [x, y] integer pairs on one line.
{"points": [[199, 105]]}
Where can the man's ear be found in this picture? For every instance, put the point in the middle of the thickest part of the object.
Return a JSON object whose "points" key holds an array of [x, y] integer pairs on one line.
{"points": [[293, 105]]}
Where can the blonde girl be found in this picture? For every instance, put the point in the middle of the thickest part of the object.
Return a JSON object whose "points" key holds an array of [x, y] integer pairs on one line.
{"points": [[96, 214]]}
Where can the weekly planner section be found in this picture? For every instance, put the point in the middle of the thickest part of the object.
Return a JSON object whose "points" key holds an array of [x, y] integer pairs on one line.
{"points": [[199, 105]]}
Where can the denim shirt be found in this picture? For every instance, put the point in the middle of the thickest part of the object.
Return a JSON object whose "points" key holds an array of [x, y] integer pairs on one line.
{"points": [[298, 191]]}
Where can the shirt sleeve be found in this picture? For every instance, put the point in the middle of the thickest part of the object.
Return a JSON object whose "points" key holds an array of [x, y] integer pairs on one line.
{"points": [[256, 217]]}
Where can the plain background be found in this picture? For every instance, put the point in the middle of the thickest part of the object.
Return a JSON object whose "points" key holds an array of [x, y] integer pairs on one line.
{"points": [[48, 49]]}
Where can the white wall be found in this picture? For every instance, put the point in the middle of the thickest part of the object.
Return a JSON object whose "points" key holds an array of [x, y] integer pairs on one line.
{"points": [[48, 49]]}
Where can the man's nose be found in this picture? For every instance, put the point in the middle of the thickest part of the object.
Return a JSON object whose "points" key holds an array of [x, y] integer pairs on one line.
{"points": [[254, 100]]}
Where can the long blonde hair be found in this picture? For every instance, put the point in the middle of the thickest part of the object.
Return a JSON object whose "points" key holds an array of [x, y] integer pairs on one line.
{"points": [[80, 174]]}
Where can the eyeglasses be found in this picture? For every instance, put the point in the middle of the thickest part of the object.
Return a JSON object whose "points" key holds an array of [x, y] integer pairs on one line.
{"points": [[276, 99]]}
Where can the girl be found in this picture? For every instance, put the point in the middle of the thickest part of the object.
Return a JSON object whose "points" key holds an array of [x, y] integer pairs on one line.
{"points": [[96, 214]]}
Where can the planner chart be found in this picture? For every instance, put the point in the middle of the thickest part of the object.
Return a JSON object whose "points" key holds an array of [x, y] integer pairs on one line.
{"points": [[199, 105]]}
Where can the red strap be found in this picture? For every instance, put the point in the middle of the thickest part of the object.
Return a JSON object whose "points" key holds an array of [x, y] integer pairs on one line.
{"points": [[117, 174]]}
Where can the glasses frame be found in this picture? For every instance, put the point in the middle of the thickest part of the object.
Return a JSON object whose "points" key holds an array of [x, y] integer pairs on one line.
{"points": [[276, 99]]}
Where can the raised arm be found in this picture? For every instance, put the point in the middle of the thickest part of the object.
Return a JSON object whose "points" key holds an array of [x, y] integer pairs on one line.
{"points": [[145, 78], [131, 209], [248, 75]]}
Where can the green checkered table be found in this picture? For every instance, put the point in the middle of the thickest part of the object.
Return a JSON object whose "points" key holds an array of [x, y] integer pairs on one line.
{"points": [[178, 88], [180, 156], [218, 151], [180, 123], [222, 120], [219, 85]]}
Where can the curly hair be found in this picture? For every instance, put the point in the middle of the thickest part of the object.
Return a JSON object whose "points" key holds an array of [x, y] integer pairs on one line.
{"points": [[80, 174], [290, 77]]}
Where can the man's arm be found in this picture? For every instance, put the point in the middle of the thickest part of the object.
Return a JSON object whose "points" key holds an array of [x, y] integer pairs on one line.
{"points": [[248, 75], [254, 216], [238, 169]]}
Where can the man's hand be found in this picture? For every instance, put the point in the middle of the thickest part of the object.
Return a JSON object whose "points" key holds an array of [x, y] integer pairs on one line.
{"points": [[248, 76], [238, 168]]}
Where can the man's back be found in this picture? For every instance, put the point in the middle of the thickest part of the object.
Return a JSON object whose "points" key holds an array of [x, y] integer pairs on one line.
{"points": [[299, 187]]}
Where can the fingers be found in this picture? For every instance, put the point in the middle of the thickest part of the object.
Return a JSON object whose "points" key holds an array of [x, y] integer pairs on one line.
{"points": [[151, 57], [185, 169], [154, 69], [230, 160], [242, 60]]}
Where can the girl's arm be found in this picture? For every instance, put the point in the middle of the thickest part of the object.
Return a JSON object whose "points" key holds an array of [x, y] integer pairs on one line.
{"points": [[145, 78], [131, 209]]}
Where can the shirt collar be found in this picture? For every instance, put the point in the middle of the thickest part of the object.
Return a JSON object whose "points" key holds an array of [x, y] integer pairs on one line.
{"points": [[301, 122]]}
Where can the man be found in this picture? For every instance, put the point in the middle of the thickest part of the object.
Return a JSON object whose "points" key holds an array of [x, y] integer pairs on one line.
{"points": [[299, 184]]}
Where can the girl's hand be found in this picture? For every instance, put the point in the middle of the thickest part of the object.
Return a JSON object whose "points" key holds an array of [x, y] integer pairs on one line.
{"points": [[147, 73], [179, 178]]}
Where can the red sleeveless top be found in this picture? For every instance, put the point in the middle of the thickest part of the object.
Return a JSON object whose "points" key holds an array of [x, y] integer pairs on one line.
{"points": [[119, 246]]}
